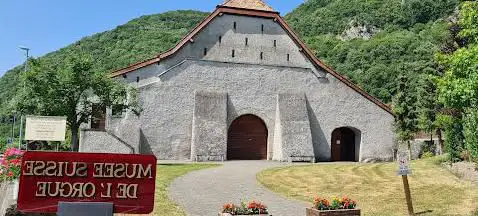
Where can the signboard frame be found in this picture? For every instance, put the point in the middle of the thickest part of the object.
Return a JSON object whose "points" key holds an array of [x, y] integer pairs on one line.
{"points": [[43, 188], [45, 128]]}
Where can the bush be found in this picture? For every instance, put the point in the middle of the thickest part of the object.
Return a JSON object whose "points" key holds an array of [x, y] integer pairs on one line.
{"points": [[427, 154], [465, 155], [3, 143], [454, 139], [470, 131]]}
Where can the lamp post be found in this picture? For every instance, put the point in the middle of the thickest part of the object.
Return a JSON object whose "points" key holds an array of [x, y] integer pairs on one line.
{"points": [[27, 50]]}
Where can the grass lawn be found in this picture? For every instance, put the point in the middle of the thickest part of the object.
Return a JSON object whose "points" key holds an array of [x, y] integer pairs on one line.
{"points": [[377, 189], [165, 175]]}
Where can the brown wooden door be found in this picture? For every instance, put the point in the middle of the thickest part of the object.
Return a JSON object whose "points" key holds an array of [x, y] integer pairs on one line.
{"points": [[247, 139], [343, 145], [336, 145]]}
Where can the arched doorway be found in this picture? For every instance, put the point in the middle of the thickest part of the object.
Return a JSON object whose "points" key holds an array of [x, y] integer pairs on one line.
{"points": [[345, 143], [247, 139]]}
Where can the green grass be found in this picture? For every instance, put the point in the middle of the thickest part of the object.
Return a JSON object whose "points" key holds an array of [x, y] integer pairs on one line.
{"points": [[435, 191], [166, 173]]}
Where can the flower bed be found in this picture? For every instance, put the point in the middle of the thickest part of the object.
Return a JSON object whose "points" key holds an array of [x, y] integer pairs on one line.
{"points": [[337, 207], [10, 165], [251, 208]]}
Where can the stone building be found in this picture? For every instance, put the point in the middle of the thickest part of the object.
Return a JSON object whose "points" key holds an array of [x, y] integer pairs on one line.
{"points": [[243, 86]]}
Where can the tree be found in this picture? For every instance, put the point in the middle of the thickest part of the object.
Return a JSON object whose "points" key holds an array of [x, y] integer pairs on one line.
{"points": [[404, 108], [458, 88], [70, 89], [429, 108]]}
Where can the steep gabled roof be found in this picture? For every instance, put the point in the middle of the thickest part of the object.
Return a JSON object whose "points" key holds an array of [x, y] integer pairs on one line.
{"points": [[255, 13], [248, 4]]}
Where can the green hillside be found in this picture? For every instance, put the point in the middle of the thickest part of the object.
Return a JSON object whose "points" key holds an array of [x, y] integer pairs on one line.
{"points": [[370, 41], [403, 38], [137, 40]]}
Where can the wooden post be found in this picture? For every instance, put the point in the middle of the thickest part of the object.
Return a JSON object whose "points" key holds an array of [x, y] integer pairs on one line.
{"points": [[408, 196]]}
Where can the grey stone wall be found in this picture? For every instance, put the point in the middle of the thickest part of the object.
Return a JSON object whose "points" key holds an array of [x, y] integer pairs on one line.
{"points": [[6, 196], [167, 94], [127, 128], [221, 50], [104, 142], [418, 147], [209, 136], [169, 104], [294, 128]]}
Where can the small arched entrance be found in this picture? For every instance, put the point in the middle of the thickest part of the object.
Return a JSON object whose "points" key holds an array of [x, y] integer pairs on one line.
{"points": [[247, 139], [345, 143]]}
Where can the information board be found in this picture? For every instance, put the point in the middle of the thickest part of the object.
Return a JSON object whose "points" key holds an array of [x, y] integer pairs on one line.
{"points": [[45, 128]]}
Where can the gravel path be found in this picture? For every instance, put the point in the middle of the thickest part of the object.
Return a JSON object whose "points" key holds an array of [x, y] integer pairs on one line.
{"points": [[202, 193]]}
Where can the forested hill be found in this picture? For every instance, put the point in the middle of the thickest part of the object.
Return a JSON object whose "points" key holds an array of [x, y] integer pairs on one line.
{"points": [[373, 41], [137, 40], [370, 41]]}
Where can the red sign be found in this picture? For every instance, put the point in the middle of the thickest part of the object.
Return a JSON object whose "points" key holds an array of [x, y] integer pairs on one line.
{"points": [[128, 181]]}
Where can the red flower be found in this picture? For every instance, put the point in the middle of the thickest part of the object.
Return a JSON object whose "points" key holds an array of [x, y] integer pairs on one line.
{"points": [[10, 174]]}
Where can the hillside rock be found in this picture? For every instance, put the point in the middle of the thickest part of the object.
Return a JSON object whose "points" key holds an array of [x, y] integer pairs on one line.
{"points": [[358, 30]]}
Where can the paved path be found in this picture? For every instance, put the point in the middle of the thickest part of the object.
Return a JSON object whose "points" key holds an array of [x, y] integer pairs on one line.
{"points": [[202, 193]]}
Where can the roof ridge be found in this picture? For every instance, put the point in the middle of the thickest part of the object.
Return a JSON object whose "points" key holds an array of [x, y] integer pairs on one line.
{"points": [[248, 4]]}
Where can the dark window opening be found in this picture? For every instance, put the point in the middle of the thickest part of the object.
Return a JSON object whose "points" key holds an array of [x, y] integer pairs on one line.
{"points": [[98, 117], [247, 41], [233, 53], [235, 26], [125, 76], [262, 55], [275, 43], [262, 28], [288, 57], [220, 39], [137, 79], [205, 51]]}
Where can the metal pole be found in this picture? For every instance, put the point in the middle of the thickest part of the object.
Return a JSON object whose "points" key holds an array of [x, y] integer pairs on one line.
{"points": [[22, 118], [13, 129]]}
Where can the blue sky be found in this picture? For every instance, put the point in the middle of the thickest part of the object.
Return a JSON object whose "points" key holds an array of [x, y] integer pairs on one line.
{"points": [[47, 25]]}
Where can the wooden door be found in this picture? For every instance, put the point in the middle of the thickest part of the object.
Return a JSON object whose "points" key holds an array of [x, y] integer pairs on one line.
{"points": [[247, 139], [343, 145], [336, 145]]}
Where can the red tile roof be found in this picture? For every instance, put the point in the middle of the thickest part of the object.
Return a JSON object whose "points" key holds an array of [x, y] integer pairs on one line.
{"points": [[248, 4]]}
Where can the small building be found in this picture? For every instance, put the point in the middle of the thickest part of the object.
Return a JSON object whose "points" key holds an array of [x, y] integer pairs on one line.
{"points": [[243, 86]]}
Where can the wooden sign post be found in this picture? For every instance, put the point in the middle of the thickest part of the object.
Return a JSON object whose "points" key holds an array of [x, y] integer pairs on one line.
{"points": [[404, 171]]}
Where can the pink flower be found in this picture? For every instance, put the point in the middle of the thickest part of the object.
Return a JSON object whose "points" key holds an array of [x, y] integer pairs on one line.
{"points": [[13, 152], [16, 161]]}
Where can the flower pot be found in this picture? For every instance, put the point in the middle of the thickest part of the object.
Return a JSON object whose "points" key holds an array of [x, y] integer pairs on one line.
{"points": [[340, 212], [227, 214], [15, 184]]}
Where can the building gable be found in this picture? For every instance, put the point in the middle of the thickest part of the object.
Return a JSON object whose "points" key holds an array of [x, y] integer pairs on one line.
{"points": [[232, 8]]}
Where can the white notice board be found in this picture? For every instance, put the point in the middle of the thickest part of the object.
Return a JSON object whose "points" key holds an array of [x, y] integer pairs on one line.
{"points": [[45, 128]]}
